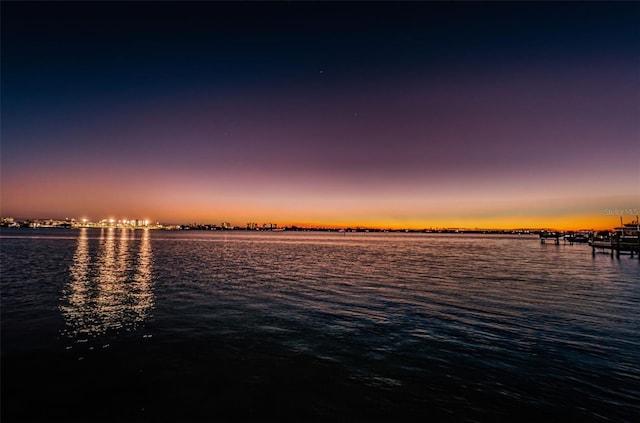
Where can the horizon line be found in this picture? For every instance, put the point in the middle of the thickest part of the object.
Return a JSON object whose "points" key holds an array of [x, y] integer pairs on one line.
{"points": [[325, 226]]}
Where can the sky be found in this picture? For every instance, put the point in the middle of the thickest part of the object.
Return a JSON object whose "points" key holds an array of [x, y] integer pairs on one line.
{"points": [[376, 114]]}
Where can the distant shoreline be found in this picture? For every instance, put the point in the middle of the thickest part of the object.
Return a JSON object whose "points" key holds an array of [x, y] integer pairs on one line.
{"points": [[213, 228]]}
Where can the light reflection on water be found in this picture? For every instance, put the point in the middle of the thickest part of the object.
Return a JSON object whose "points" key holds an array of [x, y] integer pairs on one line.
{"points": [[110, 288], [386, 327]]}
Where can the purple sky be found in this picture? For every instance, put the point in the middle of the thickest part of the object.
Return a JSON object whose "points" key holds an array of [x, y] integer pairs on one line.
{"points": [[406, 115]]}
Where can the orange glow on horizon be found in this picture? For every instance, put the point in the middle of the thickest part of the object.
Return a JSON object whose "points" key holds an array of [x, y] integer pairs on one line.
{"points": [[353, 218], [565, 223]]}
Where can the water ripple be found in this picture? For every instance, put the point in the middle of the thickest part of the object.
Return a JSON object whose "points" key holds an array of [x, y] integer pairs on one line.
{"points": [[487, 324]]}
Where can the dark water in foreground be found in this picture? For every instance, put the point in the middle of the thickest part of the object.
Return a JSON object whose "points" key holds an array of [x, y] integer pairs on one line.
{"points": [[121, 325]]}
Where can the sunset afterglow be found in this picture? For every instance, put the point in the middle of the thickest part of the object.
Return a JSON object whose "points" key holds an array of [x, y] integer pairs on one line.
{"points": [[411, 115]]}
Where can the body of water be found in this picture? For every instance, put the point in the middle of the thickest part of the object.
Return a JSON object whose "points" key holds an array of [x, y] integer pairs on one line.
{"points": [[138, 325]]}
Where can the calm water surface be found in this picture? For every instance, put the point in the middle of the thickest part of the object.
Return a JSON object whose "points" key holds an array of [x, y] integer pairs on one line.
{"points": [[121, 325]]}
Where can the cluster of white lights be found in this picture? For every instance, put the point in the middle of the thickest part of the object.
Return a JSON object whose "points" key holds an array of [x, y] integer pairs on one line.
{"points": [[119, 222]]}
